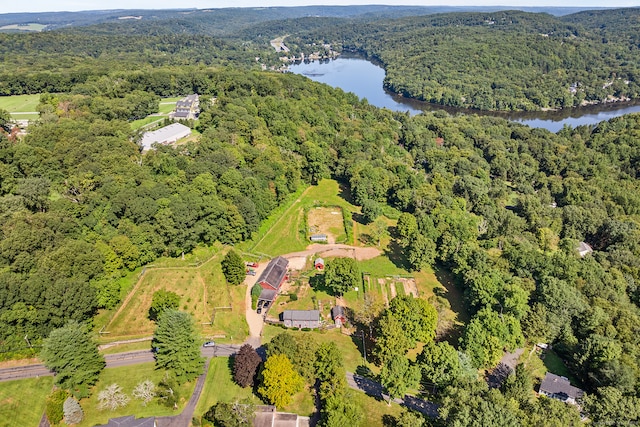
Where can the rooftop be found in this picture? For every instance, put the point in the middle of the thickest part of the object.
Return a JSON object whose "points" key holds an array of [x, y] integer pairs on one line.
{"points": [[557, 385], [275, 272], [167, 133], [130, 421], [300, 315]]}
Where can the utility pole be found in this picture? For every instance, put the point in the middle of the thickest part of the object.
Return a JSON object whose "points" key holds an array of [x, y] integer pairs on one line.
{"points": [[364, 350]]}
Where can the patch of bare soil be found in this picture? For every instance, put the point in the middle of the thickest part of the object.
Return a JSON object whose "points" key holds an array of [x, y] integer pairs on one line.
{"points": [[410, 287], [326, 220]]}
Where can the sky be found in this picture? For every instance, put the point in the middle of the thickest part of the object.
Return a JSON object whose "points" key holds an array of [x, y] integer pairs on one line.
{"points": [[75, 5]]}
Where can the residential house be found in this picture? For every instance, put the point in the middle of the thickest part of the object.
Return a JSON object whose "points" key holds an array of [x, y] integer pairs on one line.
{"points": [[338, 315], [188, 108], [166, 135], [301, 319], [584, 249], [130, 421], [268, 416], [557, 387]]}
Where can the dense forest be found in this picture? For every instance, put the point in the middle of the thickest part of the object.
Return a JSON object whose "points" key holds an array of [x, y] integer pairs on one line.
{"points": [[500, 206]]}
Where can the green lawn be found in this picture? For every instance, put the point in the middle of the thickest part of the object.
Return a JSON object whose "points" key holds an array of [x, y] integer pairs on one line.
{"points": [[19, 103], [137, 124], [284, 233], [555, 365], [23, 27], [219, 387], [22, 401], [128, 377]]}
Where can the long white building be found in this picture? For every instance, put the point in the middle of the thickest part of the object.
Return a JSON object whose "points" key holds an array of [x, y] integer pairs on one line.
{"points": [[166, 135]]}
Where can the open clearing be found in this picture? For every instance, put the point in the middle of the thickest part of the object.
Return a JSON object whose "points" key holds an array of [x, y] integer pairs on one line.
{"points": [[19, 103], [203, 291], [326, 220], [23, 27]]}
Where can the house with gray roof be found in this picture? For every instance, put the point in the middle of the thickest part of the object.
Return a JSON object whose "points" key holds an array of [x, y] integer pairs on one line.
{"points": [[188, 108], [557, 387], [301, 318], [130, 421]]}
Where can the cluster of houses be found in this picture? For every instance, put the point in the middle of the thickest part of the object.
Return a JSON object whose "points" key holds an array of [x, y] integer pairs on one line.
{"points": [[188, 108], [272, 278]]}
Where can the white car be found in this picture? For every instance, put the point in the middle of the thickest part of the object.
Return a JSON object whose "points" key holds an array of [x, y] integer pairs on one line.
{"points": [[209, 344]]}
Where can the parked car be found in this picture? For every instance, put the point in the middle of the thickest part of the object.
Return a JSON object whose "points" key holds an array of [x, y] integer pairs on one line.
{"points": [[251, 272], [209, 344], [252, 264], [259, 310]]}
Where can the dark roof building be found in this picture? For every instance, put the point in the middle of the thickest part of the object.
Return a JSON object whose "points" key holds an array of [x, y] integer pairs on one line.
{"points": [[557, 387], [338, 315], [130, 421], [301, 318], [187, 108], [275, 273], [267, 295]]}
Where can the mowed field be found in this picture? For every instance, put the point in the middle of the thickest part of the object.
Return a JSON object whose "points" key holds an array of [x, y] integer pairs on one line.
{"points": [[21, 107], [202, 289], [289, 231], [22, 401]]}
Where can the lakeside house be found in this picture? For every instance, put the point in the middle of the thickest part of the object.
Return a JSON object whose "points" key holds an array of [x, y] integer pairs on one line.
{"points": [[166, 135]]}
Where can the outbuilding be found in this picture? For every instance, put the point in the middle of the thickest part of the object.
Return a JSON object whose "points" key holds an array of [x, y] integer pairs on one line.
{"points": [[318, 238], [319, 264], [338, 315]]}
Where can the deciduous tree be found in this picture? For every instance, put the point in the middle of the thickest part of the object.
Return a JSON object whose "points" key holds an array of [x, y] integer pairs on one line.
{"points": [[342, 275], [245, 365], [398, 375], [112, 398], [163, 300], [280, 381], [74, 357]]}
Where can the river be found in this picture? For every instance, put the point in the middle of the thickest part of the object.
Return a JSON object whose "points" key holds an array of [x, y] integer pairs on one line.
{"points": [[365, 79]]}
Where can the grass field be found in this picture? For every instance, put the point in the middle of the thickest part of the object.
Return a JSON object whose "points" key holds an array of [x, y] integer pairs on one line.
{"points": [[219, 387], [19, 103], [128, 377], [285, 235], [23, 27], [22, 402], [202, 288]]}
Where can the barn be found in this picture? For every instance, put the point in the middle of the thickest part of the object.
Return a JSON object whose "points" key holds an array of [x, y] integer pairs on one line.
{"points": [[166, 135]]}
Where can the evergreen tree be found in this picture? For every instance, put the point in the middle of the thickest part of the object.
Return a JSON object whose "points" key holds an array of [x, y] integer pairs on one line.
{"points": [[74, 357], [233, 268], [177, 346], [73, 413]]}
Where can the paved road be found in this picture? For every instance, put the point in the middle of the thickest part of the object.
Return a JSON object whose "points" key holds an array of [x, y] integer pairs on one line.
{"points": [[376, 390], [113, 361]]}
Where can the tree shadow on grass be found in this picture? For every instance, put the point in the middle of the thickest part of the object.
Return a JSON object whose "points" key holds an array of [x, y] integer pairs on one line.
{"points": [[395, 255], [455, 296], [344, 192], [318, 284]]}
